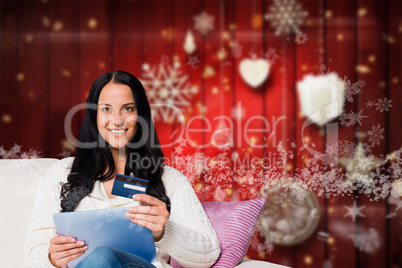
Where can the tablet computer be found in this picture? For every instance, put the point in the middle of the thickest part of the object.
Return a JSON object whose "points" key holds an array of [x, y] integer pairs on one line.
{"points": [[106, 227]]}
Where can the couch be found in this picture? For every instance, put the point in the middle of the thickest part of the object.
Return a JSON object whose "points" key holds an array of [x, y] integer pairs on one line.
{"points": [[19, 179]]}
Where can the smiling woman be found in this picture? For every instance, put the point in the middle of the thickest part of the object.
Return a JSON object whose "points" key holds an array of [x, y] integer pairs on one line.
{"points": [[119, 127]]}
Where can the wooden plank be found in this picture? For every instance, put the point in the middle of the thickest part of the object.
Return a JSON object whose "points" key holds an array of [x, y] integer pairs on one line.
{"points": [[158, 42], [128, 34], [190, 151], [94, 56], [217, 103], [248, 100], [308, 60], [253, 126], [371, 18], [394, 57], [8, 75], [340, 40], [279, 101], [63, 75], [33, 126]]}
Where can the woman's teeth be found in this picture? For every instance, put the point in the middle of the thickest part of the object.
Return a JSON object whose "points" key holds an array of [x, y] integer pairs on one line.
{"points": [[117, 131]]}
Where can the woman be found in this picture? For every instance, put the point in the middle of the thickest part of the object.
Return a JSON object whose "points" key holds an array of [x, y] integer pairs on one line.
{"points": [[118, 137]]}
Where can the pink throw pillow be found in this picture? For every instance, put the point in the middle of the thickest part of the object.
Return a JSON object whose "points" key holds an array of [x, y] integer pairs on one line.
{"points": [[234, 223]]}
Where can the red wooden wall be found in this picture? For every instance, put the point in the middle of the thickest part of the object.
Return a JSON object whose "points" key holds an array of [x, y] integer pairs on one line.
{"points": [[51, 52]]}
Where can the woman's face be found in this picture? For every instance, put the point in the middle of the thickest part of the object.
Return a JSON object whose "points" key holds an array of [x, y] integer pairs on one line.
{"points": [[116, 115]]}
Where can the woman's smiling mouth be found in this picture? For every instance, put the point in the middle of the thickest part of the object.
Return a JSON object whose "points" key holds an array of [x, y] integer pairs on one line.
{"points": [[118, 132]]}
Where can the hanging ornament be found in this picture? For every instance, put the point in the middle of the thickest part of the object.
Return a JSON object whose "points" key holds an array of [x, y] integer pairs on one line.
{"points": [[254, 71], [189, 44], [321, 97], [290, 216]]}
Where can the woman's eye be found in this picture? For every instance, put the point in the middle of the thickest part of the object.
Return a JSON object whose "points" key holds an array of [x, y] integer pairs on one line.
{"points": [[129, 109], [105, 109]]}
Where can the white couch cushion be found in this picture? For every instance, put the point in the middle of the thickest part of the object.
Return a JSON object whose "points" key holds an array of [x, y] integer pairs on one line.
{"points": [[19, 179]]}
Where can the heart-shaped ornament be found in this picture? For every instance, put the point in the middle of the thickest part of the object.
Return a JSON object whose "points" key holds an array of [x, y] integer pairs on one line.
{"points": [[254, 71]]}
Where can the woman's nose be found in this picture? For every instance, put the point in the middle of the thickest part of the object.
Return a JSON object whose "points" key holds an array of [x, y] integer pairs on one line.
{"points": [[118, 119]]}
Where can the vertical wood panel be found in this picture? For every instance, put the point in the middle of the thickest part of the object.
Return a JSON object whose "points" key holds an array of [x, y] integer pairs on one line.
{"points": [[62, 71], [94, 43], [8, 75], [249, 35], [158, 41], [394, 239], [183, 22], [280, 101], [33, 73], [340, 41], [371, 45], [128, 31], [309, 57], [216, 187]]}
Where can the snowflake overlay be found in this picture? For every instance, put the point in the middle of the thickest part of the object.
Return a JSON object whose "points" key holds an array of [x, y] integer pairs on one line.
{"points": [[237, 50], [167, 89], [301, 38], [204, 23], [271, 55], [383, 105], [286, 16], [165, 60], [193, 61], [376, 135]]}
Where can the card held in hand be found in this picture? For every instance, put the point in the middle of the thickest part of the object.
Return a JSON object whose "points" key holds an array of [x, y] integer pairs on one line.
{"points": [[127, 186]]}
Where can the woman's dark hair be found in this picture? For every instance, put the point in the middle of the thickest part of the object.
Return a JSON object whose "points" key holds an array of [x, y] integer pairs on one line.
{"points": [[93, 163]]}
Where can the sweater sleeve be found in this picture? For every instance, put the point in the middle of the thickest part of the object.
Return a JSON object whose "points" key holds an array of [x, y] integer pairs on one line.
{"points": [[189, 236], [41, 226]]}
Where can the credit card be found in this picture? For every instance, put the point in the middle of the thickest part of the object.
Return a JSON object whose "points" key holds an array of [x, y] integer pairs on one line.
{"points": [[127, 186]]}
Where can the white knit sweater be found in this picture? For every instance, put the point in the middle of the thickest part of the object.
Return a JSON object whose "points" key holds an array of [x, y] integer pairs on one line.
{"points": [[189, 236]]}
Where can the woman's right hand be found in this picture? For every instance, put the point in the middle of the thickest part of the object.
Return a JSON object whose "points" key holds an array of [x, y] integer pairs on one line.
{"points": [[64, 249]]}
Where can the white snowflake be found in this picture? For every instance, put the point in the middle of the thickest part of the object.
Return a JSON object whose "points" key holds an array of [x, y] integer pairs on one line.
{"points": [[354, 211], [301, 38], [352, 89], [350, 119], [193, 61], [376, 135], [357, 117], [396, 170], [204, 22], [271, 55], [369, 104], [237, 50], [165, 60], [167, 90], [367, 241], [15, 153], [286, 16], [383, 105], [65, 154]]}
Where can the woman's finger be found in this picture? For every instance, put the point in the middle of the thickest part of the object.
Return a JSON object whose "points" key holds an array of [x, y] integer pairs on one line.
{"points": [[59, 240], [147, 218], [144, 210], [67, 256], [144, 198]]}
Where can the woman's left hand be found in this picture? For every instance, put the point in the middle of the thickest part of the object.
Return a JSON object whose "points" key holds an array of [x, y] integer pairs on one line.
{"points": [[152, 214]]}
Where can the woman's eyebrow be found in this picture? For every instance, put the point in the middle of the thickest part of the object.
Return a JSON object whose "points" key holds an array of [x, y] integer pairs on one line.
{"points": [[103, 103], [132, 103]]}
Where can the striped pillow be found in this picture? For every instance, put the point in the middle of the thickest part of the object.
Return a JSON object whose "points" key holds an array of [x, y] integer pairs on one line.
{"points": [[234, 223]]}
